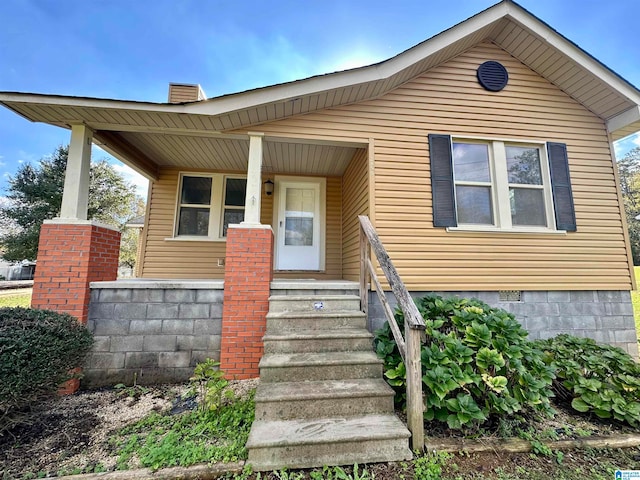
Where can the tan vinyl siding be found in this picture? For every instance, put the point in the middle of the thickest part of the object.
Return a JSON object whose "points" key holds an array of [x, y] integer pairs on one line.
{"points": [[448, 99], [333, 237], [355, 201], [199, 260]]}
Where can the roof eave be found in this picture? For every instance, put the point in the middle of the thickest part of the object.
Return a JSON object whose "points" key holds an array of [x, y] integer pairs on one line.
{"points": [[625, 123], [382, 71]]}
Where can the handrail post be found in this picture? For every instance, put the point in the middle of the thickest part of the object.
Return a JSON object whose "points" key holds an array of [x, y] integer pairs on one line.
{"points": [[415, 404], [364, 257], [411, 345]]}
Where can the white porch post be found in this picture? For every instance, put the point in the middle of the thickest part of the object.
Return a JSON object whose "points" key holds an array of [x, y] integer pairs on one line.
{"points": [[254, 180], [75, 197]]}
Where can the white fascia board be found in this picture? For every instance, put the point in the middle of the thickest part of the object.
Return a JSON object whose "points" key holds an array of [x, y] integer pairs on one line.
{"points": [[442, 40], [43, 99], [379, 71], [575, 53], [624, 119]]}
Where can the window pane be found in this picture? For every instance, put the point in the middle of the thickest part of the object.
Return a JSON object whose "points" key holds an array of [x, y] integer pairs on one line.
{"points": [[196, 190], [235, 192], [298, 231], [193, 221], [300, 201], [474, 205], [471, 162], [231, 217], [523, 164], [527, 207]]}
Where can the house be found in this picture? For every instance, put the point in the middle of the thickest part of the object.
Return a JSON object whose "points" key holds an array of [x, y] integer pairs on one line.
{"points": [[483, 157]]}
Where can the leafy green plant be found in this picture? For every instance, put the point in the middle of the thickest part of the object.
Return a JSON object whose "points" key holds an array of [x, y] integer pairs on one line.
{"points": [[429, 466], [477, 363], [596, 379], [133, 391], [339, 473], [193, 437], [284, 474], [209, 380], [38, 350]]}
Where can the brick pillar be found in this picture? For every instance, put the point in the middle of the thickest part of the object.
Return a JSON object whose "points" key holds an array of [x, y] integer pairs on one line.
{"points": [[247, 282], [70, 256]]}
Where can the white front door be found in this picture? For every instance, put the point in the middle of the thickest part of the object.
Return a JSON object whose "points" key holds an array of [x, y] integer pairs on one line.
{"points": [[299, 224]]}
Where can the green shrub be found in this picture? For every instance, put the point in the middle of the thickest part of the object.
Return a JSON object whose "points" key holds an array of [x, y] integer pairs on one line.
{"points": [[38, 349], [476, 364], [599, 379]]}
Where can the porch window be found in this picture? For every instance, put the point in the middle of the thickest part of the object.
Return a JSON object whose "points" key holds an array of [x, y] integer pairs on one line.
{"points": [[195, 206], [500, 185], [207, 204], [234, 196]]}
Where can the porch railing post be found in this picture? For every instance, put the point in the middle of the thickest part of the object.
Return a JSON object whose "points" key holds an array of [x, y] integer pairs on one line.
{"points": [[364, 257], [410, 346], [415, 404]]}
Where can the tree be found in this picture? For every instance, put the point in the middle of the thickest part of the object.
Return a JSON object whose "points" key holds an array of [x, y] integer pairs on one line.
{"points": [[629, 169], [130, 239], [35, 195]]}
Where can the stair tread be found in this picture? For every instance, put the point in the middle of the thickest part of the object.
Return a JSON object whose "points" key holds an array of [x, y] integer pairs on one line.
{"points": [[325, 389], [316, 314], [275, 360], [279, 433], [314, 297], [317, 334]]}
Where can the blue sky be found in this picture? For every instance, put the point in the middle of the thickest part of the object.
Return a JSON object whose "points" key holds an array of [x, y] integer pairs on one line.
{"points": [[132, 49]]}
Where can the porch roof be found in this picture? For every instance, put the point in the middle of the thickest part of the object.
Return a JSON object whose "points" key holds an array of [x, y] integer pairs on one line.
{"points": [[146, 135]]}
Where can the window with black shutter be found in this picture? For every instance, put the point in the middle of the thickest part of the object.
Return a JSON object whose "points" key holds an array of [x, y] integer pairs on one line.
{"points": [[500, 185]]}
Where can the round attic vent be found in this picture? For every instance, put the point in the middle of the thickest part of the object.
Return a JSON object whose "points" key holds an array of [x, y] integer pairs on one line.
{"points": [[492, 76]]}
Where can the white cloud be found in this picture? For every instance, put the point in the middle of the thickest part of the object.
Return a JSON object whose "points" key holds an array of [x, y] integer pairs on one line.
{"points": [[636, 139], [129, 174], [25, 157], [132, 177]]}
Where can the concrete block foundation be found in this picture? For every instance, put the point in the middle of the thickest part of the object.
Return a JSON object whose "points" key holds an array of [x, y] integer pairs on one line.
{"points": [[605, 316], [152, 331]]}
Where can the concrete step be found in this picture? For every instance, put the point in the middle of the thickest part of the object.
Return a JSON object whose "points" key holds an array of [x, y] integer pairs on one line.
{"points": [[300, 341], [302, 367], [314, 287], [329, 398], [283, 321], [328, 441], [313, 303]]}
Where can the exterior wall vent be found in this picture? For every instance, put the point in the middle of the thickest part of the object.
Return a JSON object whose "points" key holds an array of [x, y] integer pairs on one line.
{"points": [[493, 76], [185, 92], [509, 296]]}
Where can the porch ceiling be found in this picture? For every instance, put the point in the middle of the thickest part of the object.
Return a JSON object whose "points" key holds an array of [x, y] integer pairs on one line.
{"points": [[231, 154]]}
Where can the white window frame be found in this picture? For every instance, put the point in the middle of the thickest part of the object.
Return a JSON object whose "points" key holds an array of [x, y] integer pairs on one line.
{"points": [[216, 207], [500, 201]]}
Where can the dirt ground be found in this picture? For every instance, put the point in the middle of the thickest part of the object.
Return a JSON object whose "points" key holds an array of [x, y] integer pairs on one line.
{"points": [[70, 435]]}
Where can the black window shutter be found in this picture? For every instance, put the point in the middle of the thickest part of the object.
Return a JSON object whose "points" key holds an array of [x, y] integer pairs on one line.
{"points": [[561, 187], [442, 187]]}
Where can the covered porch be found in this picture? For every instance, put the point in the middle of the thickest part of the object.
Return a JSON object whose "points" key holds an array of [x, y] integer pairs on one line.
{"points": [[236, 210], [251, 158], [309, 191]]}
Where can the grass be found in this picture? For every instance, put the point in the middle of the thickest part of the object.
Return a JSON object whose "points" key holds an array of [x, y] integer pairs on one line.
{"points": [[15, 300], [161, 440]]}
